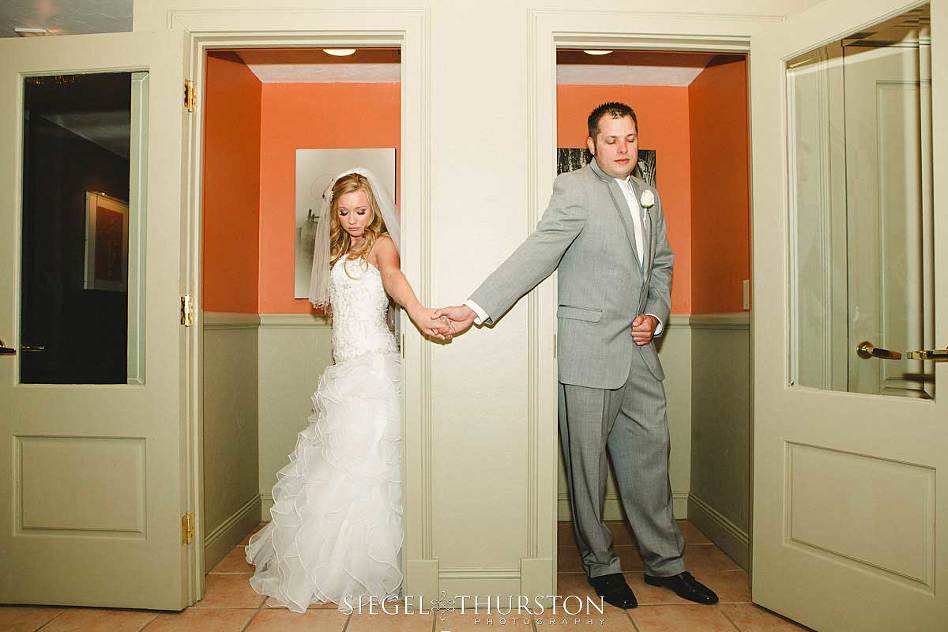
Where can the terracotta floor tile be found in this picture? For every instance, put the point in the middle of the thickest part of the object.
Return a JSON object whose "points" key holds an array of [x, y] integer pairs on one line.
{"points": [[100, 619], [629, 557], [691, 533], [568, 560], [234, 562], [752, 618], [621, 532], [380, 622], [564, 533], [574, 584], [692, 618], [229, 591], [203, 620], [700, 558], [288, 621], [316, 605], [26, 618], [481, 620], [731, 586]]}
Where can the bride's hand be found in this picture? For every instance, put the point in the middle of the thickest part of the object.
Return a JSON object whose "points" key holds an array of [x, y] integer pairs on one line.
{"points": [[431, 325]]}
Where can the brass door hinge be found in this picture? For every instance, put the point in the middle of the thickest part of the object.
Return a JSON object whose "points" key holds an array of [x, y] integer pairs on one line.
{"points": [[188, 95], [187, 528], [187, 310]]}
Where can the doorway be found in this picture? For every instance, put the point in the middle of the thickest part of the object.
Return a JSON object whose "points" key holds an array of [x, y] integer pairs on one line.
{"points": [[277, 125], [692, 112]]}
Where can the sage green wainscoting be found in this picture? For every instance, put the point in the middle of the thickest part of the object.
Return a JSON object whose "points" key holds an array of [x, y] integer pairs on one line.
{"points": [[719, 504]]}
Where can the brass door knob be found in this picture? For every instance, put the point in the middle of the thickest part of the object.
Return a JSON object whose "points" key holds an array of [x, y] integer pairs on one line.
{"points": [[866, 350]]}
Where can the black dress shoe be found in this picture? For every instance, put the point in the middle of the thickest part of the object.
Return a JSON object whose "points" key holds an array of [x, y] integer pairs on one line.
{"points": [[613, 589], [685, 586]]}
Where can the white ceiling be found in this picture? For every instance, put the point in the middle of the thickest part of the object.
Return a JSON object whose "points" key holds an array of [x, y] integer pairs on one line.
{"points": [[326, 73], [66, 17], [588, 74]]}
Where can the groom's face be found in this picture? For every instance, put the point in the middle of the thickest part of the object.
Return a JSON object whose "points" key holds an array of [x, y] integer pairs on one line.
{"points": [[616, 146]]}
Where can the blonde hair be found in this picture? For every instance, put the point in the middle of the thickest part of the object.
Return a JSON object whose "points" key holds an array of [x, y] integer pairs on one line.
{"points": [[340, 243]]}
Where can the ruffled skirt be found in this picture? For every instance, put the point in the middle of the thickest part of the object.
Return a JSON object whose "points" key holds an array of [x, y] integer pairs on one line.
{"points": [[336, 528]]}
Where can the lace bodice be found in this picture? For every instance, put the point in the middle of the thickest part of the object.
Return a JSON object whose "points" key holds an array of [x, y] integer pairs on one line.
{"points": [[359, 305]]}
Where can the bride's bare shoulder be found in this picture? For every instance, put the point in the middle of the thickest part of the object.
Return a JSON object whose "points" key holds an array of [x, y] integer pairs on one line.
{"points": [[383, 251]]}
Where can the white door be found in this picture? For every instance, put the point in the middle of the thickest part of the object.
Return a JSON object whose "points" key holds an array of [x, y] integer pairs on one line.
{"points": [[92, 396], [850, 241]]}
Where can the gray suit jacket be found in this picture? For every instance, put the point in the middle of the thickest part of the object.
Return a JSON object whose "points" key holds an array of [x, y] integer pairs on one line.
{"points": [[586, 233]]}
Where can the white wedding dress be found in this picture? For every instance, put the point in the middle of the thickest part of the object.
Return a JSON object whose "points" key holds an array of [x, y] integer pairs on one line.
{"points": [[336, 528]]}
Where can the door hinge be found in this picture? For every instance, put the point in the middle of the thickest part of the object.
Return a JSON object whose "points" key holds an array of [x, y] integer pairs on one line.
{"points": [[188, 95], [187, 528], [554, 346], [187, 310]]}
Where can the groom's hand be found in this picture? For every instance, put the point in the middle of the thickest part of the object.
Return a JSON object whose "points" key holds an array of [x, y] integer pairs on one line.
{"points": [[461, 316], [643, 329]]}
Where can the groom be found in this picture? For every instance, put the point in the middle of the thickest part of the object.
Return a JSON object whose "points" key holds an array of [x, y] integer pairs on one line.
{"points": [[604, 232]]}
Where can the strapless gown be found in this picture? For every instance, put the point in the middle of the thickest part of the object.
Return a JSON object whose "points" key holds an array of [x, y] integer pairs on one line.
{"points": [[335, 533]]}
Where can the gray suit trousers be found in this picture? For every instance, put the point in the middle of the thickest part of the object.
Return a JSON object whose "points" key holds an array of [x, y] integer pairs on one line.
{"points": [[631, 422]]}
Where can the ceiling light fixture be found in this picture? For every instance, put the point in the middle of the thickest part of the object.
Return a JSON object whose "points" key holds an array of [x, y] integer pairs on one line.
{"points": [[597, 52], [28, 32], [339, 52]]}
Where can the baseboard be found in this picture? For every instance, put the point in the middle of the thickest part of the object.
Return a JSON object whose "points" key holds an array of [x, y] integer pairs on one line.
{"points": [[728, 536], [266, 504], [224, 538], [612, 510]]}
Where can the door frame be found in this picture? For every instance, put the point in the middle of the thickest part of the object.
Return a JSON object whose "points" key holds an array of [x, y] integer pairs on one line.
{"points": [[408, 30], [618, 30]]}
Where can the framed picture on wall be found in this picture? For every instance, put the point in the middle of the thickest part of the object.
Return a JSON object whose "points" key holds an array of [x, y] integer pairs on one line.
{"points": [[572, 158], [106, 252], [314, 170]]}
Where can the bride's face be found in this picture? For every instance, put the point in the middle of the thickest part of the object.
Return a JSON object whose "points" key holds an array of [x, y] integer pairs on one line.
{"points": [[354, 213]]}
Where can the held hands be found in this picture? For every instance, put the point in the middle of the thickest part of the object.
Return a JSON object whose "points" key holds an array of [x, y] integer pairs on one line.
{"points": [[461, 317], [643, 329], [431, 323]]}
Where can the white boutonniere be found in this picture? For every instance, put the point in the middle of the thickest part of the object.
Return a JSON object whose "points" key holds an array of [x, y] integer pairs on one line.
{"points": [[647, 199]]}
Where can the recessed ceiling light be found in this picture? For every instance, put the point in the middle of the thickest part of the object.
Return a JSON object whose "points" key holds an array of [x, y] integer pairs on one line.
{"points": [[339, 52], [27, 32], [597, 52]]}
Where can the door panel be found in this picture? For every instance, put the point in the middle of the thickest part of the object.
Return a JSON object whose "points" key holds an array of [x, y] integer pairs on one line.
{"points": [[850, 454], [91, 149]]}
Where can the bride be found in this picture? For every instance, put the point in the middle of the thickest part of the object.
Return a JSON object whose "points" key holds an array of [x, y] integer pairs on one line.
{"points": [[336, 528]]}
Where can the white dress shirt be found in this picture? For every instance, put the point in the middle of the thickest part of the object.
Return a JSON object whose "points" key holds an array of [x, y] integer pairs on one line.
{"points": [[626, 187]]}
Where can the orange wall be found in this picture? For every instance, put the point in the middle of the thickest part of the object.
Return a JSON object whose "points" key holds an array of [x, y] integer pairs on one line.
{"points": [[231, 192], [662, 113], [310, 116], [720, 207]]}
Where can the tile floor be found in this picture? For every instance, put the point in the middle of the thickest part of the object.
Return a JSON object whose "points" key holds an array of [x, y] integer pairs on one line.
{"points": [[230, 605]]}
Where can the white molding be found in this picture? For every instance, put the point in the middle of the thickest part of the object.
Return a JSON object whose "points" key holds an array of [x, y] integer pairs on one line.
{"points": [[229, 320], [735, 320], [295, 321], [409, 28], [548, 30]]}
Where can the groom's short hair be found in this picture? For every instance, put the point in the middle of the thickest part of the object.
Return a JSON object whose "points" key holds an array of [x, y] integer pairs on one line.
{"points": [[614, 109]]}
